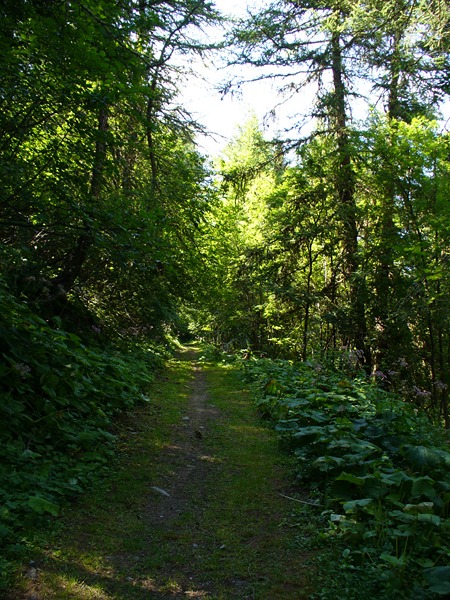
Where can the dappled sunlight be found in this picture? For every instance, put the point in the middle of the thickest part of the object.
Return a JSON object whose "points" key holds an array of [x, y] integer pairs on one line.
{"points": [[76, 580], [309, 261], [196, 594], [77, 589], [209, 459], [175, 447]]}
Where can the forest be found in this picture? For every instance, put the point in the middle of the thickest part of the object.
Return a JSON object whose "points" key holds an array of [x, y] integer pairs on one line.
{"points": [[319, 258]]}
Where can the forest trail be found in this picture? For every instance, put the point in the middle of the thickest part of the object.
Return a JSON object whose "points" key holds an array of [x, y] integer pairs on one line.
{"points": [[194, 510]]}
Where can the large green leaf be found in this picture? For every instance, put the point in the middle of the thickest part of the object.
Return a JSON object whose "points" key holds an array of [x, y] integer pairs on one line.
{"points": [[313, 431], [439, 580], [423, 456], [351, 478], [423, 486], [42, 506], [353, 504], [396, 478], [392, 560]]}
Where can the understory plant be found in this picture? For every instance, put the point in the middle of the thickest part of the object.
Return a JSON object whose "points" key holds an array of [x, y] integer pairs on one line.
{"points": [[380, 468], [58, 399]]}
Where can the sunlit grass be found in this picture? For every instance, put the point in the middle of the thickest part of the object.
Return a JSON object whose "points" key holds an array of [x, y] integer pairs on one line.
{"points": [[70, 587]]}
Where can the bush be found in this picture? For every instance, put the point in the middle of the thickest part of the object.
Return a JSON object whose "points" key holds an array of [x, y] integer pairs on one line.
{"points": [[382, 469], [58, 398]]}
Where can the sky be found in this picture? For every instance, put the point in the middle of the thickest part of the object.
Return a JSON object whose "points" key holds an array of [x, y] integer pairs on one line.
{"points": [[221, 115]]}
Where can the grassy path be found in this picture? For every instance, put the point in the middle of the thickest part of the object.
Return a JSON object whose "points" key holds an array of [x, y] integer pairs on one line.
{"points": [[193, 510]]}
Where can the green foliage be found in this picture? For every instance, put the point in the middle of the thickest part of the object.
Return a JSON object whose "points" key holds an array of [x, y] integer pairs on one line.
{"points": [[353, 242], [58, 398], [103, 187], [279, 257], [103, 197], [233, 234], [110, 223], [381, 467]]}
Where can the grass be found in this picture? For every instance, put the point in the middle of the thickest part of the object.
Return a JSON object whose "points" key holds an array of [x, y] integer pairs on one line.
{"points": [[246, 508], [229, 538]]}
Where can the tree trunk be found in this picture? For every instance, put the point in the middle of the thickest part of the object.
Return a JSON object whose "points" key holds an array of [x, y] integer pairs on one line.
{"points": [[308, 303], [345, 187], [387, 345], [151, 102]]}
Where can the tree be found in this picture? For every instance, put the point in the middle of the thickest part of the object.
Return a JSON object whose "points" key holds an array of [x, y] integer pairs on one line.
{"points": [[396, 39], [247, 172], [335, 46], [417, 315], [315, 38], [90, 131]]}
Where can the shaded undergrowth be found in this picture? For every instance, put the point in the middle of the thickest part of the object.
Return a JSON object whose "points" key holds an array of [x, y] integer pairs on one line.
{"points": [[59, 398], [379, 471]]}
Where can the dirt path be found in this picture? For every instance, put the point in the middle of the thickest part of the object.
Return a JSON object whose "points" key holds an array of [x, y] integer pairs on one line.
{"points": [[185, 486], [190, 466], [194, 511]]}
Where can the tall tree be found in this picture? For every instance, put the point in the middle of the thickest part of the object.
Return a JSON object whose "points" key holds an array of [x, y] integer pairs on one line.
{"points": [[247, 173], [335, 46], [90, 127], [314, 38], [404, 69]]}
